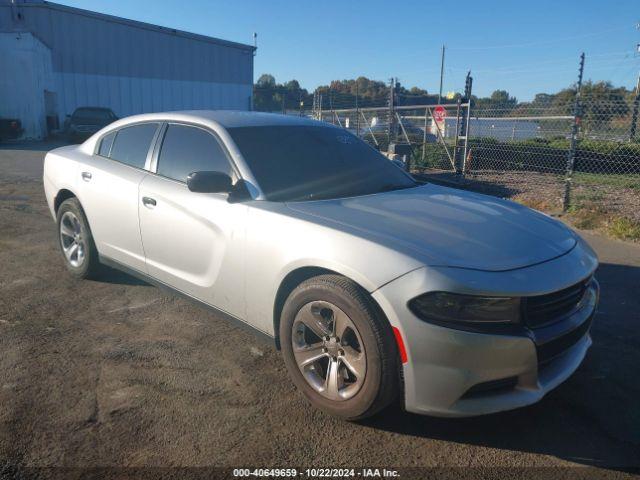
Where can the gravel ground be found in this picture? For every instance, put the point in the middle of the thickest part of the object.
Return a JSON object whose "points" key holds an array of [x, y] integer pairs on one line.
{"points": [[117, 373]]}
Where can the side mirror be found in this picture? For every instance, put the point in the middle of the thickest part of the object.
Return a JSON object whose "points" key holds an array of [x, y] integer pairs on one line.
{"points": [[209, 182]]}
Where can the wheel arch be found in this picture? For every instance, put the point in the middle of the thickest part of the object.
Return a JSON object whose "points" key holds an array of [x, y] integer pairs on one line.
{"points": [[294, 278], [65, 194], [62, 195]]}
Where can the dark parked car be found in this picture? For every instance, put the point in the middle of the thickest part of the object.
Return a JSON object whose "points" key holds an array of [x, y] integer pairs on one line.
{"points": [[10, 128], [86, 121]]}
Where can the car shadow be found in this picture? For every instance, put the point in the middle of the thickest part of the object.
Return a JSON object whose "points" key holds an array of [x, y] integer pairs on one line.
{"points": [[592, 419], [117, 277]]}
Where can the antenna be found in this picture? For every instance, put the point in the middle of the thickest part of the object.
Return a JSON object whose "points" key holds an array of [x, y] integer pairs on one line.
{"points": [[255, 43]]}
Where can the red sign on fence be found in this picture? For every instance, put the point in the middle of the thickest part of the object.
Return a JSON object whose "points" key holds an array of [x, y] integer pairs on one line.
{"points": [[439, 114]]}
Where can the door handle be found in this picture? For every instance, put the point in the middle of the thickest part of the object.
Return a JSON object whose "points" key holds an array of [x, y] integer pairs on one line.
{"points": [[86, 176], [149, 202]]}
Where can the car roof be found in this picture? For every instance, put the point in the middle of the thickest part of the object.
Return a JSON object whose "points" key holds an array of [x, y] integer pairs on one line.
{"points": [[236, 118], [217, 120], [227, 118]]}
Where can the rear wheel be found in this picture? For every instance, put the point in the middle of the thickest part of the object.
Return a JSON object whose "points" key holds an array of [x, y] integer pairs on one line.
{"points": [[339, 348], [75, 240]]}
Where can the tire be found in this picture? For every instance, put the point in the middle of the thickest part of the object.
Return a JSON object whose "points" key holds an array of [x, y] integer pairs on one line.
{"points": [[73, 228], [353, 393]]}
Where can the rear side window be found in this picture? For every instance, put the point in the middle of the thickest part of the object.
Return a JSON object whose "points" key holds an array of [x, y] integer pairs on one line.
{"points": [[105, 144], [131, 144], [92, 114], [190, 149]]}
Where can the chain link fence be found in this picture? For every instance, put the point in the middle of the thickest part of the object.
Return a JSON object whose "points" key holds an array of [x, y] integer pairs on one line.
{"points": [[528, 151], [430, 145]]}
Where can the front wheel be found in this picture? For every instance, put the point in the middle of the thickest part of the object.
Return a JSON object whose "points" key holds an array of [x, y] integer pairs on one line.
{"points": [[339, 348]]}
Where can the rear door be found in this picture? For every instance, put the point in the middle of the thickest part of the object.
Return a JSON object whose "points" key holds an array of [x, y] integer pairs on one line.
{"points": [[193, 242], [108, 191]]}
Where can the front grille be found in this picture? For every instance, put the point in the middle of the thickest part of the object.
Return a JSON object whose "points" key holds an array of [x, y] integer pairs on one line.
{"points": [[551, 349], [546, 309]]}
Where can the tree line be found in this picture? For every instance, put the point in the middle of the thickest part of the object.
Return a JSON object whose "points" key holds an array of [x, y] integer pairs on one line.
{"points": [[270, 96], [602, 101]]}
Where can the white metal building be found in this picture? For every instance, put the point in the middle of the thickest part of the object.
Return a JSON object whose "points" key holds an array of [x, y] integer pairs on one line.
{"points": [[55, 58], [500, 128]]}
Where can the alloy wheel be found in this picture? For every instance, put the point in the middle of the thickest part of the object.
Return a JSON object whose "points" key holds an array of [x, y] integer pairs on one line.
{"points": [[72, 239], [328, 350]]}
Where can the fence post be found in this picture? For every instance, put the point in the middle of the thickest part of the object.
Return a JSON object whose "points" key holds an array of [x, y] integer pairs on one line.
{"points": [[571, 155], [333, 113], [392, 112], [357, 112], [300, 101], [466, 115], [456, 140], [634, 115], [424, 136]]}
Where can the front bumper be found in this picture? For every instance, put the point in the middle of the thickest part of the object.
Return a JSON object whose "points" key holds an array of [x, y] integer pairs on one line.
{"points": [[446, 366]]}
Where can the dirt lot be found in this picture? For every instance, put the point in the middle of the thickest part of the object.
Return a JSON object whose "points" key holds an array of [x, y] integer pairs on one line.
{"points": [[117, 373]]}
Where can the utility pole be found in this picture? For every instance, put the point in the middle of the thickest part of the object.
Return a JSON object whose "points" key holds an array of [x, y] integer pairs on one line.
{"points": [[571, 155], [441, 75]]}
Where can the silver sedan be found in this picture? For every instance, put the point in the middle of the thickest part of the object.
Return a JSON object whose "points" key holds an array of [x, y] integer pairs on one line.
{"points": [[372, 285]]}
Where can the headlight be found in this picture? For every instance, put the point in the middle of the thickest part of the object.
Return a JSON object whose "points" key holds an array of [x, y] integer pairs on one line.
{"points": [[443, 307]]}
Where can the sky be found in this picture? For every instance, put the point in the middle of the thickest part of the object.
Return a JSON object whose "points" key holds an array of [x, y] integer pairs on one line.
{"points": [[524, 47]]}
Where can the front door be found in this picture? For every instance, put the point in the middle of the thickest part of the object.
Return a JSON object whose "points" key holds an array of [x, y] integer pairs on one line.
{"points": [[193, 242]]}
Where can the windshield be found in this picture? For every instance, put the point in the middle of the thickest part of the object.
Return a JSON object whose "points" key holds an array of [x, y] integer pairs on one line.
{"points": [[294, 163], [92, 114]]}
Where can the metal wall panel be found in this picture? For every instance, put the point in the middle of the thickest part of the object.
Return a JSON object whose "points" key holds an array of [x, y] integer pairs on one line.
{"points": [[132, 95], [86, 42], [132, 67], [26, 73]]}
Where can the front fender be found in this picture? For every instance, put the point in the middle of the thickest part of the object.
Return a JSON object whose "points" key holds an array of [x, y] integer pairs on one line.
{"points": [[279, 244]]}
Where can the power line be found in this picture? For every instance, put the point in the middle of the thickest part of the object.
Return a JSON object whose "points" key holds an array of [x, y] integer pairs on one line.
{"points": [[450, 69], [542, 42]]}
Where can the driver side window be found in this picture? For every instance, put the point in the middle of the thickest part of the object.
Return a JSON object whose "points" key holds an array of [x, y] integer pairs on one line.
{"points": [[187, 149]]}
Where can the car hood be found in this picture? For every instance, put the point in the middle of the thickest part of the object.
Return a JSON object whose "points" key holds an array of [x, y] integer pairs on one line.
{"points": [[448, 227]]}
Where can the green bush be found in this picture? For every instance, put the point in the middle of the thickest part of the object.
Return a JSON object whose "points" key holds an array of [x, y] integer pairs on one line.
{"points": [[550, 154], [434, 156]]}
